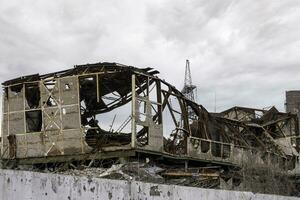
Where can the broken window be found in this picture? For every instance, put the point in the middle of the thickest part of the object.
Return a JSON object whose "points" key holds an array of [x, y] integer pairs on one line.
{"points": [[6, 92], [173, 132], [51, 102], [12, 146], [67, 86], [216, 149], [142, 114], [50, 99], [142, 135], [32, 95], [88, 94], [106, 109], [226, 150], [33, 121], [16, 88], [205, 146]]}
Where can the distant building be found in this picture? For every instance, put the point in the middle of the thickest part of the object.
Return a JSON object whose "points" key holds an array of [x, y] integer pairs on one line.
{"points": [[292, 103]]}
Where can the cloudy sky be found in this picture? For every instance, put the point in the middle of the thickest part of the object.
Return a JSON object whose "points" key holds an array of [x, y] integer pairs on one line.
{"points": [[246, 52]]}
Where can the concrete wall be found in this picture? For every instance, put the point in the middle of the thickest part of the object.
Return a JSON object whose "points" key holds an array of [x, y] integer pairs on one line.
{"points": [[24, 185]]}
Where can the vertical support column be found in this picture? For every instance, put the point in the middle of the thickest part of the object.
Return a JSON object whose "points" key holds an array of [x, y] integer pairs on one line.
{"points": [[97, 84], [8, 112], [297, 137], [186, 165], [43, 135], [82, 138], [231, 155], [188, 146], [133, 112], [24, 115], [222, 150], [159, 101], [59, 106], [3, 134]]}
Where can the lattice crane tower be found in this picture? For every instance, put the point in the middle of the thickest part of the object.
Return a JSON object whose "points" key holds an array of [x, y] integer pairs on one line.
{"points": [[189, 90]]}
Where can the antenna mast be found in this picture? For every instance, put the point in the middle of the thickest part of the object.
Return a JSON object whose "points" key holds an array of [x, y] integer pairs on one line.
{"points": [[188, 88]]}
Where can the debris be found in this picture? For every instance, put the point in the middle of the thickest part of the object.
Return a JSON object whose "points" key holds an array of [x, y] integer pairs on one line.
{"points": [[66, 121]]}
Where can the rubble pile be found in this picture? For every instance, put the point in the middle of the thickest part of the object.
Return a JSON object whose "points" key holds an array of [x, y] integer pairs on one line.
{"points": [[130, 171], [136, 171]]}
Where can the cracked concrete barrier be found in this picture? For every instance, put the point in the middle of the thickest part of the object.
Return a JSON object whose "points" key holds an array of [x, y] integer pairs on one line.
{"points": [[26, 185]]}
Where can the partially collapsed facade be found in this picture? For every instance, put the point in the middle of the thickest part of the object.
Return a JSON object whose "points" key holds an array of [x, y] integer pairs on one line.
{"points": [[107, 110]]}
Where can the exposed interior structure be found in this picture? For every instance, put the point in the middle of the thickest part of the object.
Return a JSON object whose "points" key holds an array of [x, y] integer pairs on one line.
{"points": [[109, 110]]}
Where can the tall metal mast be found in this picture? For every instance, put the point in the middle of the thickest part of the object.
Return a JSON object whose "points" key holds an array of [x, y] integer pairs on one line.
{"points": [[188, 88]]}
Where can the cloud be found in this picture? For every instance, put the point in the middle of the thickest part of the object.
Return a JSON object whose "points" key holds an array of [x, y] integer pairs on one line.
{"points": [[246, 52]]}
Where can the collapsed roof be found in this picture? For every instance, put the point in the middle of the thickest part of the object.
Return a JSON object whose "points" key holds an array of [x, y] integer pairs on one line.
{"points": [[69, 103]]}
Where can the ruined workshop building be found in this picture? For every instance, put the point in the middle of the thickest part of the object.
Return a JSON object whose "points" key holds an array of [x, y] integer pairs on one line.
{"points": [[109, 110]]}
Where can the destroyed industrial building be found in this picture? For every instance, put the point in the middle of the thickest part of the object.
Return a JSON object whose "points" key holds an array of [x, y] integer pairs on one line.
{"points": [[96, 113]]}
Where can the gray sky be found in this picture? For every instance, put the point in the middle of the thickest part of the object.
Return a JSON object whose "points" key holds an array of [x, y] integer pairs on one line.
{"points": [[246, 51]]}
